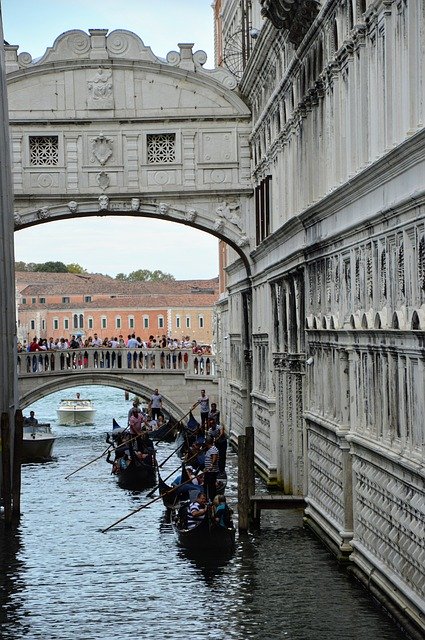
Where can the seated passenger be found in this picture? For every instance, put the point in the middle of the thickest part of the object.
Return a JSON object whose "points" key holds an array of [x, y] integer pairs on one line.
{"points": [[197, 510], [222, 512]]}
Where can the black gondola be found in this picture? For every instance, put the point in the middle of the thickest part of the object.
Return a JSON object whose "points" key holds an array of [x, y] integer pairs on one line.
{"points": [[206, 535], [166, 432], [137, 476]]}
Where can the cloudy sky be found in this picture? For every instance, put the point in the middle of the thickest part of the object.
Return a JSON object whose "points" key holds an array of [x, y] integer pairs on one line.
{"points": [[109, 245]]}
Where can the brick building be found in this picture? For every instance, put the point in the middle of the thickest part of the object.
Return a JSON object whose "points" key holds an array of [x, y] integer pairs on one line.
{"points": [[61, 304]]}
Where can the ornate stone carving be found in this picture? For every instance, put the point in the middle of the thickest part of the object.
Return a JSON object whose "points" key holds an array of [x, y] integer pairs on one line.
{"points": [[228, 212], [17, 219], [101, 90], [42, 213], [190, 215], [135, 204], [103, 180], [163, 208], [218, 224], [243, 241], [295, 16], [103, 203], [72, 206], [101, 148]]}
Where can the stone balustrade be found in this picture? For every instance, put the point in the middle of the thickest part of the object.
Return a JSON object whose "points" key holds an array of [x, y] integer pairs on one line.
{"points": [[108, 359]]}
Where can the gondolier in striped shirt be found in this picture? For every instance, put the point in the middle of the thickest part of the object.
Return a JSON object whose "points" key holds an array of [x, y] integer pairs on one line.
{"points": [[211, 468], [197, 510]]}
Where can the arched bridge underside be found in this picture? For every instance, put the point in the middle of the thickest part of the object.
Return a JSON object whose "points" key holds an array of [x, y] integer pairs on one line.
{"points": [[179, 390], [101, 126]]}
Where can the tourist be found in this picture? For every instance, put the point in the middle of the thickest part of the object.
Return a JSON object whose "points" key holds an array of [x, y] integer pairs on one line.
{"points": [[197, 510], [221, 511]]}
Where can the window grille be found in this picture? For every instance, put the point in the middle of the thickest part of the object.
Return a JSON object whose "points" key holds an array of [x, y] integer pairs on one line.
{"points": [[44, 150], [161, 148]]}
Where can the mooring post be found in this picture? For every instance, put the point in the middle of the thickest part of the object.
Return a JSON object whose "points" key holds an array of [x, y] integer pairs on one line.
{"points": [[17, 462], [6, 467], [243, 485], [250, 470]]}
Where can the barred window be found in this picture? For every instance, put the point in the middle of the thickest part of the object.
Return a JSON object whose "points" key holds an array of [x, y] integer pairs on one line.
{"points": [[161, 148], [44, 150]]}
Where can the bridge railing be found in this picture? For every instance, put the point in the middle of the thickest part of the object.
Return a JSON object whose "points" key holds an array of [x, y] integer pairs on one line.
{"points": [[108, 359]]}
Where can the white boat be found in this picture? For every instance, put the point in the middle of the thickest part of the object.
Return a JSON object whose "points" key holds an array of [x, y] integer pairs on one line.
{"points": [[74, 411], [37, 442]]}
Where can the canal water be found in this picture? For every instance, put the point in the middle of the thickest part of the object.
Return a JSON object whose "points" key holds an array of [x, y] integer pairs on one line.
{"points": [[63, 579]]}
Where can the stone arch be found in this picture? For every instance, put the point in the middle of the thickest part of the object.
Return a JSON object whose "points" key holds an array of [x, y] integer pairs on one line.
{"points": [[352, 322], [415, 323], [132, 386], [378, 322], [364, 321], [215, 219], [395, 323]]}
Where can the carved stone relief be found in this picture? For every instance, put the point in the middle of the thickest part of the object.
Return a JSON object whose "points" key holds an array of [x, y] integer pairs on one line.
{"points": [[101, 149], [103, 180], [100, 89], [43, 213], [72, 206], [103, 203]]}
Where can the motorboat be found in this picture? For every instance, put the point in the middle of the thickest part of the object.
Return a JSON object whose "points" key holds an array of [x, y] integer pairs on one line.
{"points": [[75, 411], [37, 442]]}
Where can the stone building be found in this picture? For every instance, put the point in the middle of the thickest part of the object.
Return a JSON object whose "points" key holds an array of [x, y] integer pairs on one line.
{"points": [[333, 356], [59, 304]]}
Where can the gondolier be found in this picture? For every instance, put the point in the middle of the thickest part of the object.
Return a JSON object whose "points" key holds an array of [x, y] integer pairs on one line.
{"points": [[210, 468], [155, 404]]}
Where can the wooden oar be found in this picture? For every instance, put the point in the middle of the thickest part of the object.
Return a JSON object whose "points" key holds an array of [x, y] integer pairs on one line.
{"points": [[91, 461], [152, 491], [147, 504], [110, 448]]}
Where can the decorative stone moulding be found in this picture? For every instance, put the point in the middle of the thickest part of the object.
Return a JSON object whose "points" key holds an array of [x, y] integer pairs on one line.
{"points": [[17, 219], [119, 44]]}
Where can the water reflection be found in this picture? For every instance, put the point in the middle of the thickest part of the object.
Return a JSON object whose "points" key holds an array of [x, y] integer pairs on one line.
{"points": [[12, 584]]}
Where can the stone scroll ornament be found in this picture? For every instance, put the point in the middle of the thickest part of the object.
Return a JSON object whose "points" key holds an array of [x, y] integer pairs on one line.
{"points": [[17, 219], [101, 149], [100, 89]]}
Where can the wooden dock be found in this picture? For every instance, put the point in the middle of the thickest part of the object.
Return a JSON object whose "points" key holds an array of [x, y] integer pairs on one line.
{"points": [[261, 501]]}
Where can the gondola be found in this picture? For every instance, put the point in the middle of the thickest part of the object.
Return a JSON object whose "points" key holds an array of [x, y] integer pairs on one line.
{"points": [[166, 432], [205, 536], [137, 476]]}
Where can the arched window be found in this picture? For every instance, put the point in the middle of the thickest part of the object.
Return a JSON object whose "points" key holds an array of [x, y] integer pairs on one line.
{"points": [[75, 321], [81, 321]]}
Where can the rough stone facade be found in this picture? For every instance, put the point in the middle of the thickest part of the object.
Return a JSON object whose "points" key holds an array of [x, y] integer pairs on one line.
{"points": [[335, 340]]}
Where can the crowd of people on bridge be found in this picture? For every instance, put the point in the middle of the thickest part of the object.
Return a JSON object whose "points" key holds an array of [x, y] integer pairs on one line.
{"points": [[132, 341]]}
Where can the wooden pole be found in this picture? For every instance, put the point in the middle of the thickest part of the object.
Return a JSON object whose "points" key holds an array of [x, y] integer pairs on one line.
{"points": [[17, 463], [6, 467], [243, 485], [250, 470]]}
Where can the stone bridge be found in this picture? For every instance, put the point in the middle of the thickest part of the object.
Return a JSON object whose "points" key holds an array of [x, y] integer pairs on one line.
{"points": [[178, 374]]}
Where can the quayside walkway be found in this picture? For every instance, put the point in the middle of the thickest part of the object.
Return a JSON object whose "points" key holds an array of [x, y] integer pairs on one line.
{"points": [[179, 374]]}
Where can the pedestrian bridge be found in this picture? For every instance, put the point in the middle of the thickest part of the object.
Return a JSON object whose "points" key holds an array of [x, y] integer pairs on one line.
{"points": [[178, 374]]}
